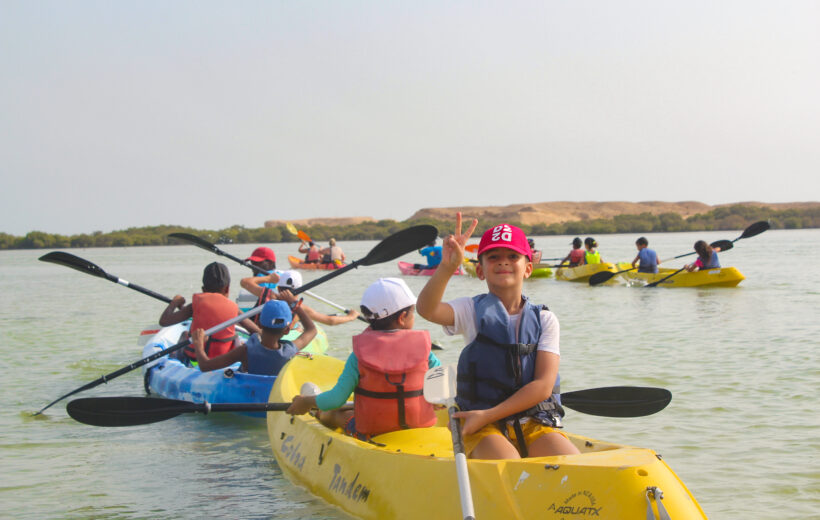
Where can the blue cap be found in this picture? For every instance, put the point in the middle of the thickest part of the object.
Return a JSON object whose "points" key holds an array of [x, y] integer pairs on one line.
{"points": [[276, 314]]}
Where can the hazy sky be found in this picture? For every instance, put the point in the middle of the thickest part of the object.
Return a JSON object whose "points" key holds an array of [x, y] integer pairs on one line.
{"points": [[209, 114]]}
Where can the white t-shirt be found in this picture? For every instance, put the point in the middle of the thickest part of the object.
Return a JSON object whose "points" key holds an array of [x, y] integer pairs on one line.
{"points": [[465, 324]]}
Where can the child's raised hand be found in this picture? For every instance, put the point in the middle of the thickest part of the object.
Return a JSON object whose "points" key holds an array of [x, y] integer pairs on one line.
{"points": [[178, 301], [286, 296], [452, 250]]}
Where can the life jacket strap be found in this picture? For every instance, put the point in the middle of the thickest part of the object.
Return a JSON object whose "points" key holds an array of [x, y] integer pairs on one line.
{"points": [[399, 396], [263, 298], [191, 353]]}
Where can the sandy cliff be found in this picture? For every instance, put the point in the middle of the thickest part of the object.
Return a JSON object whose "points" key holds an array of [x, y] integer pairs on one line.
{"points": [[552, 212]]}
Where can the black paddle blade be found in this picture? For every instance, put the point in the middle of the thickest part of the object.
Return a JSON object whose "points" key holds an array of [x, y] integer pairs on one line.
{"points": [[400, 243], [74, 262], [755, 229], [618, 401], [195, 240], [599, 278], [724, 245], [127, 411]]}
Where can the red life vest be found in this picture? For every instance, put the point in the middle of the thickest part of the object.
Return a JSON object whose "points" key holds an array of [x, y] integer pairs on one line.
{"points": [[313, 255], [576, 257], [210, 309], [389, 396]]}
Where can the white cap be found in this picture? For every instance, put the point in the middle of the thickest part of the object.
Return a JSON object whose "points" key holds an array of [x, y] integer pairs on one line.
{"points": [[290, 280], [387, 296]]}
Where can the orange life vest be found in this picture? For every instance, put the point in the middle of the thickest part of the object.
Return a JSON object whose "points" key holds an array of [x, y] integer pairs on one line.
{"points": [[210, 309], [389, 396]]}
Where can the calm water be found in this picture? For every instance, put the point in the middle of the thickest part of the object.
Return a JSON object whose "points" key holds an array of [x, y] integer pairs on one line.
{"points": [[742, 364]]}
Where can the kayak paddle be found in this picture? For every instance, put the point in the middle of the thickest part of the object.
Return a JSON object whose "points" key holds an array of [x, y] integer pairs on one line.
{"points": [[614, 401], [133, 411], [84, 266], [440, 388], [618, 401], [392, 247], [208, 246]]}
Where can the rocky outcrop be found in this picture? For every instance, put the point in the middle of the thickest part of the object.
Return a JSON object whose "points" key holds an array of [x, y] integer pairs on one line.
{"points": [[308, 222], [556, 212]]}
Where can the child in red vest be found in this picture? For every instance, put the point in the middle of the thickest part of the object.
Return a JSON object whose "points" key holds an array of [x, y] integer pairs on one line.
{"points": [[265, 353], [208, 309], [385, 371]]}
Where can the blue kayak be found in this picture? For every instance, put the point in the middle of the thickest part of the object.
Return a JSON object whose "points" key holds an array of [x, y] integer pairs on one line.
{"points": [[172, 379]]}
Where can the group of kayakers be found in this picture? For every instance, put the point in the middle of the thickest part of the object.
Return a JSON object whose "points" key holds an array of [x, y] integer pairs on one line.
{"points": [[266, 351], [586, 252], [506, 414], [332, 254]]}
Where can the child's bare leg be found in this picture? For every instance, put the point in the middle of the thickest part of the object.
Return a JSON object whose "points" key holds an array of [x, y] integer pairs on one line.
{"points": [[494, 447], [552, 444], [335, 418]]}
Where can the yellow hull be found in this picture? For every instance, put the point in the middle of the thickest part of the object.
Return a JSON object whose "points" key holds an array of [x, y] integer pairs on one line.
{"points": [[469, 268], [411, 473], [582, 273], [722, 277]]}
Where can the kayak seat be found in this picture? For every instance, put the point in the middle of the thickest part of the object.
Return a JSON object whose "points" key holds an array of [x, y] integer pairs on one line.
{"points": [[435, 440]]}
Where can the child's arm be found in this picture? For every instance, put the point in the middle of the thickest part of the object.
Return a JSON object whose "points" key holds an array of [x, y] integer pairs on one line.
{"points": [[250, 326], [636, 260], [330, 320], [333, 398], [176, 312], [252, 283], [206, 364], [429, 304], [309, 331], [540, 388]]}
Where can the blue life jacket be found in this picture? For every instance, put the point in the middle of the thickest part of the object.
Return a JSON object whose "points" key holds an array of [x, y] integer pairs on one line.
{"points": [[493, 367], [265, 361]]}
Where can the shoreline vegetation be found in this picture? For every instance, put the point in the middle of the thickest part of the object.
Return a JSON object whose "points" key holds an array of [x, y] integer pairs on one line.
{"points": [[722, 218]]}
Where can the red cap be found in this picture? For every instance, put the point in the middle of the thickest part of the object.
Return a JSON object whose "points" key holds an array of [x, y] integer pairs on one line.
{"points": [[505, 235], [262, 253]]}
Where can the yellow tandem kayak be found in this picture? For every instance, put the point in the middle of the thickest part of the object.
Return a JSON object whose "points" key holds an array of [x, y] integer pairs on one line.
{"points": [[721, 277], [582, 273], [412, 474]]}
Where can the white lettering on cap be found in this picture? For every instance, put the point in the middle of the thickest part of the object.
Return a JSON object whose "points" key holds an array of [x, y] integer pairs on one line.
{"points": [[502, 232]]}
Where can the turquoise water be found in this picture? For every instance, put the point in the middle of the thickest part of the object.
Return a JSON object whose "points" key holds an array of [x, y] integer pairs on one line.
{"points": [[742, 365]]}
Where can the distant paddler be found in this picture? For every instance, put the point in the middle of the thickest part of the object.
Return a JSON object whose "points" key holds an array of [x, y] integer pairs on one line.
{"points": [[648, 258], [432, 254], [333, 254], [707, 257]]}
